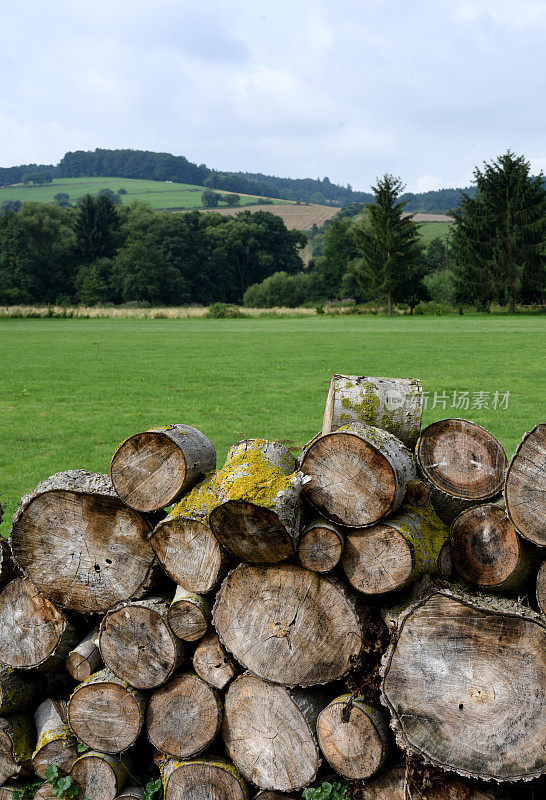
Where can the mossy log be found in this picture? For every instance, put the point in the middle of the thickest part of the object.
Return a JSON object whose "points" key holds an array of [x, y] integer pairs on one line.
{"points": [[56, 744], [184, 716], [17, 738], [201, 779], [85, 658], [99, 776], [151, 470], [395, 552], [287, 625], [464, 680], [320, 546], [395, 783], [255, 512], [189, 615], [19, 691], [212, 663], [79, 544], [393, 404], [357, 474], [8, 568], [33, 631], [105, 713], [353, 736], [137, 644], [525, 487], [464, 464], [487, 551], [269, 733], [541, 587]]}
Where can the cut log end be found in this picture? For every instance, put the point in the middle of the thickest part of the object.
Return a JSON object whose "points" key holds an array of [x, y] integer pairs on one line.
{"points": [[525, 489], [188, 615], [377, 560], [320, 547], [99, 776], [202, 779], [189, 553], [212, 663], [252, 533], [541, 587]]}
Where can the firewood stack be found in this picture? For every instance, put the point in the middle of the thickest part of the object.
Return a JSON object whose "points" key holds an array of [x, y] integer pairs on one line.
{"points": [[373, 610]]}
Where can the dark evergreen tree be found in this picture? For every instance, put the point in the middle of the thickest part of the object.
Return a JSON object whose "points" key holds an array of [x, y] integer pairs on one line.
{"points": [[96, 226]]}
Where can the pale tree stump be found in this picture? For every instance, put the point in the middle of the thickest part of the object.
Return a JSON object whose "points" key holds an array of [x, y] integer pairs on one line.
{"points": [[99, 776], [189, 615], [541, 587], [394, 783], [320, 546], [357, 474], [56, 744], [85, 658], [79, 544], [16, 744], [201, 779], [19, 691], [151, 470], [525, 488], [212, 663]]}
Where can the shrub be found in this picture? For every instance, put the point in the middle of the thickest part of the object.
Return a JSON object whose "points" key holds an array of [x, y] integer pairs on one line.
{"points": [[225, 311]]}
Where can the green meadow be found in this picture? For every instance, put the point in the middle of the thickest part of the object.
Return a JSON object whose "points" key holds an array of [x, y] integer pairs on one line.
{"points": [[433, 230], [72, 389]]}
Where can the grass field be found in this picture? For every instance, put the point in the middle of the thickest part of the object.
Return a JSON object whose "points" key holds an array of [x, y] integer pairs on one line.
{"points": [[431, 230], [71, 390]]}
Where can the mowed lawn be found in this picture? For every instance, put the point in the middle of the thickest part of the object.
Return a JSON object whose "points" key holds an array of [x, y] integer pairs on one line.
{"points": [[71, 390]]}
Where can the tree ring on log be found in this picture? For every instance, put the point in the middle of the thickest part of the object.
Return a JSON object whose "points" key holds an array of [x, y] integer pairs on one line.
{"points": [[377, 560], [202, 779], [525, 488], [261, 537]]}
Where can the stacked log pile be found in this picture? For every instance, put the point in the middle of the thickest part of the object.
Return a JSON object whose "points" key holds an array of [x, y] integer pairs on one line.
{"points": [[373, 610]]}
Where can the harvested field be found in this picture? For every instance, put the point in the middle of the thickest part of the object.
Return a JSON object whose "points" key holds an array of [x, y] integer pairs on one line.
{"points": [[294, 216]]}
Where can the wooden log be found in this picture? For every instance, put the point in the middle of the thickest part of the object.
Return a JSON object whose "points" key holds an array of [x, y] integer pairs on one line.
{"points": [[353, 737], [464, 681], [320, 546], [79, 544], [184, 716], [287, 625], [275, 796], [525, 487], [137, 644], [357, 474], [541, 587], [464, 464], [19, 690], [6, 792], [393, 404], [34, 633], [256, 510], [45, 792], [185, 546], [151, 470], [57, 745], [212, 663], [487, 551], [99, 776], [395, 783], [188, 615], [16, 744], [395, 552], [105, 713], [201, 779], [8, 568], [269, 733], [85, 658], [131, 793]]}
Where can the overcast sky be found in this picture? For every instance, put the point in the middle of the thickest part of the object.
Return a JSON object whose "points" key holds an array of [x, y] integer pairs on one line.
{"points": [[350, 89]]}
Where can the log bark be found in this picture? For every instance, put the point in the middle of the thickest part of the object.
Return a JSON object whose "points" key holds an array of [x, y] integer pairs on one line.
{"points": [[287, 625], [356, 474], [393, 404], [137, 644], [395, 783], [99, 776], [525, 488], [201, 779], [56, 743], [269, 733], [353, 737], [541, 587], [105, 713], [212, 663], [189, 615], [184, 716], [79, 544], [396, 552], [85, 658], [256, 510], [320, 546], [16, 744], [8, 569], [464, 464], [19, 691], [34, 633], [464, 680], [151, 470], [487, 551]]}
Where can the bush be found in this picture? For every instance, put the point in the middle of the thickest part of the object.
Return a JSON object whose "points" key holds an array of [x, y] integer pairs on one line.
{"points": [[279, 289], [327, 791], [440, 286], [225, 311]]}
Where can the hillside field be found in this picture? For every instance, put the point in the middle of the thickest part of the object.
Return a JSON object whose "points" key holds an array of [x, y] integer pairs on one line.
{"points": [[72, 389]]}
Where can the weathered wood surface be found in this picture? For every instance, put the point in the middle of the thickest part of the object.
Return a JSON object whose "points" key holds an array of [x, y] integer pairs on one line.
{"points": [[541, 587], [99, 776], [202, 779], [151, 470], [189, 615], [320, 546], [393, 404], [255, 513], [275, 796], [353, 736], [212, 663], [79, 544], [85, 658], [395, 782], [6, 792], [525, 488], [357, 474], [184, 716], [56, 745], [465, 682], [269, 733], [19, 690], [137, 644], [17, 737], [33, 632], [395, 552], [286, 624], [105, 713], [131, 793], [45, 792]]}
